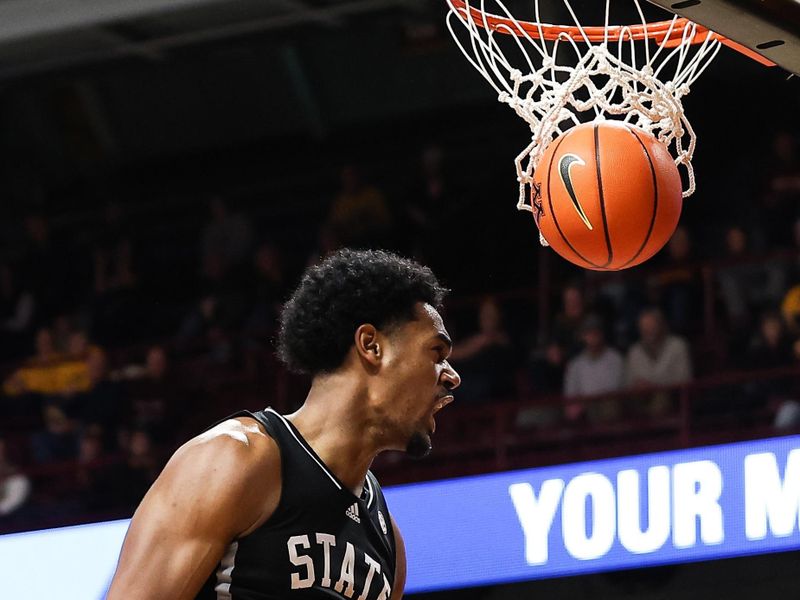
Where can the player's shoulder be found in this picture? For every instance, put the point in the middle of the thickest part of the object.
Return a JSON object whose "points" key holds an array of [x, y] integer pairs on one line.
{"points": [[239, 438], [234, 467], [240, 447]]}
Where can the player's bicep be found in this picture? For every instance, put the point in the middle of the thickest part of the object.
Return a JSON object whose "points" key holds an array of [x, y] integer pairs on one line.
{"points": [[184, 524], [400, 563], [162, 555]]}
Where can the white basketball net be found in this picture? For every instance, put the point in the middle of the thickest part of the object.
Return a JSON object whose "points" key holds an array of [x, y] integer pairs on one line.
{"points": [[552, 90]]}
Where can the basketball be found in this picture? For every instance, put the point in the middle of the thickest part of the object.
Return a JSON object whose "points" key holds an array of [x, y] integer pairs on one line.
{"points": [[606, 195]]}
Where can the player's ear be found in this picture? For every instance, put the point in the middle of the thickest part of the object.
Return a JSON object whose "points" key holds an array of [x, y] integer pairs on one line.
{"points": [[367, 344]]}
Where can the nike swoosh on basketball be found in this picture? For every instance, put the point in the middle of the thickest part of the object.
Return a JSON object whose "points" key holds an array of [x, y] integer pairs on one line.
{"points": [[564, 166]]}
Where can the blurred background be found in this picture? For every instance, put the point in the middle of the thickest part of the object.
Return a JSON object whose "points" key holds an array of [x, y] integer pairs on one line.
{"points": [[168, 169]]}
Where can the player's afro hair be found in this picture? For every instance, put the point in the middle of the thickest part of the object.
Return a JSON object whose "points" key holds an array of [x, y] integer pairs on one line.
{"points": [[347, 289]]}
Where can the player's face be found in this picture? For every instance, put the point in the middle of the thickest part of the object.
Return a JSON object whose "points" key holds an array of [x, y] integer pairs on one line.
{"points": [[419, 379]]}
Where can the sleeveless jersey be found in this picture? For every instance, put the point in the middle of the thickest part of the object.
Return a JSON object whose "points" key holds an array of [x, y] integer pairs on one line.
{"points": [[322, 542]]}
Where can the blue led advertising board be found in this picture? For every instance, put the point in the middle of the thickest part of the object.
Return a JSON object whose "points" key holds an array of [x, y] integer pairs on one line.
{"points": [[635, 511]]}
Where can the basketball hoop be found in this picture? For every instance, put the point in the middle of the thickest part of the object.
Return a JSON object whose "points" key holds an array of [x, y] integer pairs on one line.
{"points": [[566, 75]]}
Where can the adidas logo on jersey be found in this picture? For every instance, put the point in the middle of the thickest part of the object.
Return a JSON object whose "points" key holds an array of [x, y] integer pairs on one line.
{"points": [[352, 512]]}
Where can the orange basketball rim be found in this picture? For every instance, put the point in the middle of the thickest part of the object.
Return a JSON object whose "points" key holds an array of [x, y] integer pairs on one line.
{"points": [[671, 33]]}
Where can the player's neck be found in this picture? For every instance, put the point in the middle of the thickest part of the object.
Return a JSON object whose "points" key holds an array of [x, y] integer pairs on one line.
{"points": [[340, 433]]}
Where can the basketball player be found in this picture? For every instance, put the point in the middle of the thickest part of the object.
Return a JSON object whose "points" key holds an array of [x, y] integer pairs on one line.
{"points": [[269, 506]]}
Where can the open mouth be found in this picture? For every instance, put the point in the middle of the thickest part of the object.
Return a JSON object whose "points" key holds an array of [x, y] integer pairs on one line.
{"points": [[441, 402]]}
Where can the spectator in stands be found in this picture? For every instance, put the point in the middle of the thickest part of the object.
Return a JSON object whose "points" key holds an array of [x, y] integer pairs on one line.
{"points": [[102, 406], [781, 189], [790, 309], [618, 298], [58, 440], [139, 471], [266, 296], [567, 323], [203, 332], [484, 358], [677, 287], [598, 369], [46, 352], [267, 289], [15, 489], [71, 373], [155, 394], [116, 312], [657, 359], [746, 287], [80, 350], [430, 204], [36, 375], [359, 216], [787, 415], [93, 491], [545, 381], [53, 373], [207, 328], [547, 369], [228, 235], [770, 347], [790, 303], [62, 329], [786, 176], [114, 268], [99, 476]]}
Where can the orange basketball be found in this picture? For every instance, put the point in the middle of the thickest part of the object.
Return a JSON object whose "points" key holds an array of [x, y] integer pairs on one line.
{"points": [[607, 195]]}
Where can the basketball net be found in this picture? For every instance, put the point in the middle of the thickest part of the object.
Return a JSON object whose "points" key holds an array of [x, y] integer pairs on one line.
{"points": [[565, 75]]}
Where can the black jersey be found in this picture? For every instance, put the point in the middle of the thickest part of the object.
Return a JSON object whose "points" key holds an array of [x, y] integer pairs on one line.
{"points": [[321, 542]]}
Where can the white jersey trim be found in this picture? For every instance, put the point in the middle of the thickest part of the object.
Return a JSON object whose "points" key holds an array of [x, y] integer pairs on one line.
{"points": [[303, 446], [223, 587], [370, 489]]}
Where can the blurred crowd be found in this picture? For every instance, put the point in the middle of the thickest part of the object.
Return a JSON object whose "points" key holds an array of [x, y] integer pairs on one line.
{"points": [[109, 333]]}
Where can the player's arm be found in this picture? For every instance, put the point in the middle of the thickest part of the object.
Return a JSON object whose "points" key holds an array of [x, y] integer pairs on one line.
{"points": [[217, 487], [400, 563]]}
